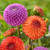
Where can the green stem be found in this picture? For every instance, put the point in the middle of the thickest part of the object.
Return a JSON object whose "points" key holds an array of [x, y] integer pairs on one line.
{"points": [[30, 44], [29, 41], [18, 31], [39, 42], [34, 41]]}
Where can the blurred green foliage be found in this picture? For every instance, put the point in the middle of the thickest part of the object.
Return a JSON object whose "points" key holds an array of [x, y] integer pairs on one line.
{"points": [[29, 4]]}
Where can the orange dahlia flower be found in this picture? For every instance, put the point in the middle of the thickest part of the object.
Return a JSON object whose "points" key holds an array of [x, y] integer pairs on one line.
{"points": [[12, 43], [1, 17], [9, 32], [34, 27]]}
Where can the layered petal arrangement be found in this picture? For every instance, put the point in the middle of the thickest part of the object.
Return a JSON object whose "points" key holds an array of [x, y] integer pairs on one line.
{"points": [[40, 48], [9, 32], [34, 27], [12, 43], [38, 10], [15, 14]]}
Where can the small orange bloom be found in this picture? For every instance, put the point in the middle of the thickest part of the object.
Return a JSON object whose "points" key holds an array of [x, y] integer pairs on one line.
{"points": [[39, 10], [34, 27], [9, 32], [1, 17]]}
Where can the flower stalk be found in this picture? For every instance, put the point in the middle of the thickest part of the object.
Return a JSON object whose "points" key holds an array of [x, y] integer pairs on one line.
{"points": [[39, 42], [18, 29], [30, 43]]}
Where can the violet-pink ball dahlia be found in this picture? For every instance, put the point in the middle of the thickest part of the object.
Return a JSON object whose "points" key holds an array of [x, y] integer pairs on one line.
{"points": [[49, 28], [15, 14], [40, 48]]}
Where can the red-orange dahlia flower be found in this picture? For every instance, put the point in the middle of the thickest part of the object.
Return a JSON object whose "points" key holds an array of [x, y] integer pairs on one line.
{"points": [[34, 27], [39, 10], [12, 43], [9, 32]]}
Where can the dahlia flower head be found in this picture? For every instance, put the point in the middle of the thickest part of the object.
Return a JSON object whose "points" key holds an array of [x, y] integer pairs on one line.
{"points": [[40, 48], [38, 10], [15, 14], [12, 43], [34, 27]]}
